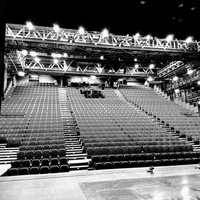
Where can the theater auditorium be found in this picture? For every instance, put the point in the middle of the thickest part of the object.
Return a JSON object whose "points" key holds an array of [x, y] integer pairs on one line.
{"points": [[96, 115]]}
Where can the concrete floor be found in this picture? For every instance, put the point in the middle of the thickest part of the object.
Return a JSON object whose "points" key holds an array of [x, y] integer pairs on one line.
{"points": [[173, 182]]}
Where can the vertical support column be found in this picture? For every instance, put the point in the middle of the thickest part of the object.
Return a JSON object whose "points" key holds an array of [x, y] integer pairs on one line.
{"points": [[2, 46], [61, 82]]}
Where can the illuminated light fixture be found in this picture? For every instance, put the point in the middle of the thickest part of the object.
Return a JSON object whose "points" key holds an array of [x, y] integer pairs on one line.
{"points": [[135, 59], [149, 79], [176, 90], [175, 78], [20, 73], [148, 37], [198, 82], [55, 60], [81, 30], [93, 77], [190, 71], [30, 26], [24, 52], [65, 55], [169, 38], [151, 66], [189, 39], [136, 36], [37, 59], [33, 53], [56, 28], [105, 33], [101, 57], [56, 55], [136, 66]]}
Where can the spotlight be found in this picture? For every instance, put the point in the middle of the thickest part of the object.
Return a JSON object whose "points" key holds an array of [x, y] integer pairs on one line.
{"points": [[149, 79], [101, 57], [24, 52], [20, 73], [105, 33], [56, 28], [135, 59], [33, 53], [81, 30], [65, 55], [190, 71], [151, 66], [55, 60], [169, 38], [148, 37], [189, 39], [198, 82], [176, 90], [175, 78], [30, 26], [136, 66], [136, 36], [37, 59]]}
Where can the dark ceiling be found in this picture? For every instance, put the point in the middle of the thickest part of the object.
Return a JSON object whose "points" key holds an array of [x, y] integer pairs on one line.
{"points": [[155, 17]]}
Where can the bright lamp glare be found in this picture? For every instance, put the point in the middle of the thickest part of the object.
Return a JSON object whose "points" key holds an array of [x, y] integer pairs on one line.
{"points": [[81, 30], [135, 59], [151, 66], [189, 39], [56, 55], [136, 66], [175, 78], [136, 36], [177, 90], [105, 33], [20, 73], [55, 60], [29, 25], [169, 38], [93, 77], [65, 55], [190, 71], [148, 37], [37, 59], [198, 82], [101, 57], [150, 79], [24, 52], [56, 28], [33, 53]]}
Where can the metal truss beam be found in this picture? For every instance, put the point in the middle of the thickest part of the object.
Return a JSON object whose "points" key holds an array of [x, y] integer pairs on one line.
{"points": [[71, 37]]}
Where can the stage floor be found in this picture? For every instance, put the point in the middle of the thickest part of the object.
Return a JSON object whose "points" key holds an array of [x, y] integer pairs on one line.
{"points": [[173, 182]]}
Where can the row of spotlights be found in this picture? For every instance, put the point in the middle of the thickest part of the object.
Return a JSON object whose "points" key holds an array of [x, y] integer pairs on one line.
{"points": [[105, 33]]}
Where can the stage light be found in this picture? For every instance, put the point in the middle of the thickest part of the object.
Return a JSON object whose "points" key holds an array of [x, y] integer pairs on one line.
{"points": [[65, 55], [55, 60], [93, 77], [190, 71], [198, 82], [169, 38], [135, 59], [175, 78], [136, 66], [29, 25], [81, 30], [56, 28], [37, 59], [105, 33], [33, 53], [151, 66], [101, 57], [176, 90], [136, 36], [20, 73], [24, 52], [189, 39], [149, 79]]}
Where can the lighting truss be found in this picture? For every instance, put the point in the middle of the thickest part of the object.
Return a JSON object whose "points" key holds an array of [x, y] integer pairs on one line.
{"points": [[73, 37]]}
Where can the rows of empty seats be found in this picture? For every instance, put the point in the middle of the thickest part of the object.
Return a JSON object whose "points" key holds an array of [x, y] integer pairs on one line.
{"points": [[114, 132], [183, 121], [41, 131]]}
